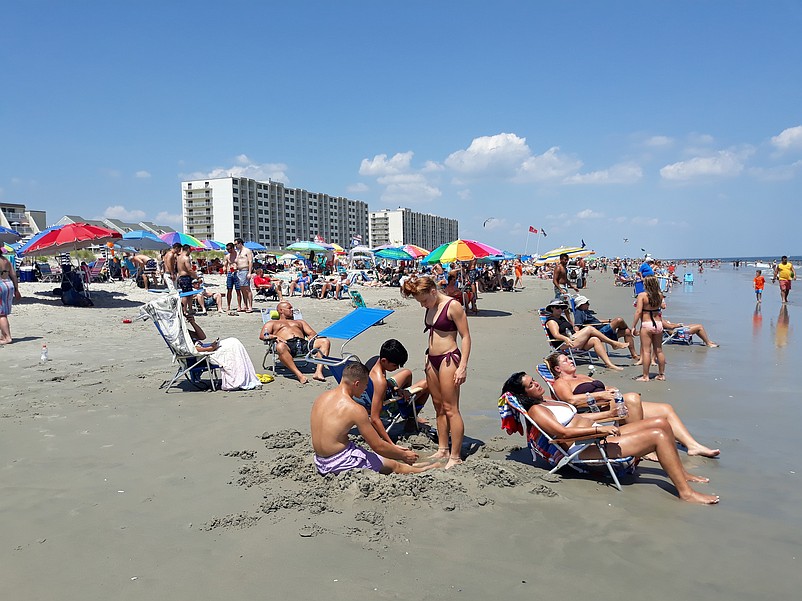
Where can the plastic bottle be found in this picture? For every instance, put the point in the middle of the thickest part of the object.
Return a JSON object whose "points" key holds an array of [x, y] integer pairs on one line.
{"points": [[591, 403], [43, 358], [620, 408]]}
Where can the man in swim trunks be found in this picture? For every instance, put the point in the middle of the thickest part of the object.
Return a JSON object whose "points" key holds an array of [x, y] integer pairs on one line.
{"points": [[292, 338], [560, 278], [244, 273], [171, 265], [393, 356], [784, 272], [335, 414], [185, 276], [614, 328]]}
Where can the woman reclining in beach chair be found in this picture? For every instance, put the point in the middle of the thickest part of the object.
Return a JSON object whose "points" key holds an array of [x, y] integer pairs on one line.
{"points": [[572, 387], [564, 427]]}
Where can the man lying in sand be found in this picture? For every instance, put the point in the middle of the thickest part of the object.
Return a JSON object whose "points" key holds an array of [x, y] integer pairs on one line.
{"points": [[292, 340], [335, 413]]}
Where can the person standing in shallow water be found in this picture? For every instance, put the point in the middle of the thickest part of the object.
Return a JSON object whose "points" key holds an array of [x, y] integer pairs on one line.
{"points": [[446, 363]]}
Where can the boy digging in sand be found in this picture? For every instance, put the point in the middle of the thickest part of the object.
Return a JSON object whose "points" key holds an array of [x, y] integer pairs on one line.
{"points": [[335, 413]]}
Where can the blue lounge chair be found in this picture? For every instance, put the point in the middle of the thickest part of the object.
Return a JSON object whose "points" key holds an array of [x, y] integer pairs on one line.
{"points": [[347, 328]]}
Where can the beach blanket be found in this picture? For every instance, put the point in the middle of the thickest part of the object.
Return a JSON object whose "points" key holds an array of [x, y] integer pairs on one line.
{"points": [[235, 365]]}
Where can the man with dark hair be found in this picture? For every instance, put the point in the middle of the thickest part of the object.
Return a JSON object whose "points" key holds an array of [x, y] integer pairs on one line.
{"points": [[560, 278], [244, 273], [784, 272], [231, 277], [335, 414], [393, 356], [171, 265], [185, 275]]}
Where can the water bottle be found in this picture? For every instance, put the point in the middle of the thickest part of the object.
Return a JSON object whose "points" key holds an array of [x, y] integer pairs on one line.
{"points": [[620, 408], [591, 369], [43, 358], [591, 403]]}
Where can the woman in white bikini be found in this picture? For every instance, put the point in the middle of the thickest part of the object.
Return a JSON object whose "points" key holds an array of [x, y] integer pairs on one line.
{"points": [[651, 331]]}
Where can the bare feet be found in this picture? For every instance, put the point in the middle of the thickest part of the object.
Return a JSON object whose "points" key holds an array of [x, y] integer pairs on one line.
{"points": [[303, 380], [440, 455], [660, 377], [452, 461], [615, 367], [697, 497], [620, 345], [691, 478], [650, 457], [713, 345], [319, 378], [642, 379], [703, 451]]}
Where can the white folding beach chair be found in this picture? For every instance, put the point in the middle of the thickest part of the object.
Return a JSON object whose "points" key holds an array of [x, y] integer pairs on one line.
{"points": [[514, 418], [168, 318], [563, 348]]}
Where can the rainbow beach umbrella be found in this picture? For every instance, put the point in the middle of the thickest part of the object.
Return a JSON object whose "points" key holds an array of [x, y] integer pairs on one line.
{"points": [[460, 250], [173, 237], [416, 251], [213, 245]]}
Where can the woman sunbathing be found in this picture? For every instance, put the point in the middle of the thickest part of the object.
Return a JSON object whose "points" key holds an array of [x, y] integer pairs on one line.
{"points": [[693, 328], [572, 387], [635, 439], [561, 331]]}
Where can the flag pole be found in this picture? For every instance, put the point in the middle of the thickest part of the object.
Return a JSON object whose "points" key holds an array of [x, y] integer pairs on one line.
{"points": [[526, 248], [537, 251]]}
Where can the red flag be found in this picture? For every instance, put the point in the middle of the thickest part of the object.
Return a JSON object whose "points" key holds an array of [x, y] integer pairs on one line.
{"points": [[532, 230]]}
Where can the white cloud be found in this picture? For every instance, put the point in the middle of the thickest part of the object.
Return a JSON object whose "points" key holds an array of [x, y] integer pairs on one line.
{"points": [[650, 221], [623, 173], [724, 163], [142, 174], [410, 192], [357, 188], [549, 165], [464, 194], [658, 141], [379, 165], [589, 214], [111, 172], [778, 173], [244, 168], [165, 218], [788, 138], [500, 154], [120, 212]]}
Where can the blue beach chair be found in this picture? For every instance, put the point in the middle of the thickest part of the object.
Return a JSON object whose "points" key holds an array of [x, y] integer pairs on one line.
{"points": [[347, 328]]}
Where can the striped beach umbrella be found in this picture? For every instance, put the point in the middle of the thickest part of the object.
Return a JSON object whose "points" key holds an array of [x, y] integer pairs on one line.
{"points": [[213, 245], [416, 251], [182, 238], [460, 250], [573, 252]]}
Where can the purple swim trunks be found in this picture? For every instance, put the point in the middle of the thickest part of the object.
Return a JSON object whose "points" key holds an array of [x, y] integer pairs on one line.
{"points": [[350, 458]]}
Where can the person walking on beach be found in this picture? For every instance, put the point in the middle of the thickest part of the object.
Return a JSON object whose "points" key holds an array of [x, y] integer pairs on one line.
{"points": [[9, 292], [519, 275], [784, 272], [446, 364], [760, 283], [230, 264], [560, 278]]}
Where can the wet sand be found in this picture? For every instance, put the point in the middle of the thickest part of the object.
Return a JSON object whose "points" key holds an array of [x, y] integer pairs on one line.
{"points": [[113, 489]]}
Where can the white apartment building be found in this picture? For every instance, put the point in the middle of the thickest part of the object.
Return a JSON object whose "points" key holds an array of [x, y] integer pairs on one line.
{"points": [[269, 213], [403, 226], [21, 219]]}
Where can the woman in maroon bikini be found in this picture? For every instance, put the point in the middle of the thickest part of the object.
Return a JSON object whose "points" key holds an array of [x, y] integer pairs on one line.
{"points": [[446, 364]]}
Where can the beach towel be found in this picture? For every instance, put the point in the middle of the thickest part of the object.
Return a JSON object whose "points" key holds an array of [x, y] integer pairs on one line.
{"points": [[509, 417], [6, 296], [235, 365]]}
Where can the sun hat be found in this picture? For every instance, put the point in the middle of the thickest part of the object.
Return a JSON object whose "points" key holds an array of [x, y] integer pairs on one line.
{"points": [[557, 302], [581, 300]]}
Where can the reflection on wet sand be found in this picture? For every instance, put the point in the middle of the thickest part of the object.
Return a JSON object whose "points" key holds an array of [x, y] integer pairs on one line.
{"points": [[781, 331], [757, 320]]}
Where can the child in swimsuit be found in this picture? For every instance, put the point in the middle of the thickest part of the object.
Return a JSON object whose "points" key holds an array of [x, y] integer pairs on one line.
{"points": [[446, 363]]}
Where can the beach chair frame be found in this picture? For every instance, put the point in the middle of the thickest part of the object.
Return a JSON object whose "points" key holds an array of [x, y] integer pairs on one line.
{"points": [[346, 328], [563, 348], [557, 457]]}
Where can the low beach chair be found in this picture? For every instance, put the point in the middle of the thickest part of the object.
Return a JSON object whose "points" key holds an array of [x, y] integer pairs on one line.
{"points": [[563, 348], [514, 418], [47, 274], [347, 328], [391, 411], [545, 373], [680, 335], [168, 318], [271, 361], [356, 299]]}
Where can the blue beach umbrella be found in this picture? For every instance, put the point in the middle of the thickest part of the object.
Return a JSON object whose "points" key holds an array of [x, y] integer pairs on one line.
{"points": [[254, 246], [394, 254], [214, 244], [21, 250], [8, 235], [306, 246], [142, 240]]}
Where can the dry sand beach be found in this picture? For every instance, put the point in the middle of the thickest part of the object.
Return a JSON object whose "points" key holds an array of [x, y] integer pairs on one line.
{"points": [[112, 489]]}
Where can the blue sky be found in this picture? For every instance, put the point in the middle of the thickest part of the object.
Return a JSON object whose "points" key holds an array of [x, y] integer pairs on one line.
{"points": [[674, 125]]}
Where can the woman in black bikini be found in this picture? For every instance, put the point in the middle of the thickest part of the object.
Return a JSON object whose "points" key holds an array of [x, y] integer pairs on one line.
{"points": [[571, 387], [446, 364], [651, 331]]}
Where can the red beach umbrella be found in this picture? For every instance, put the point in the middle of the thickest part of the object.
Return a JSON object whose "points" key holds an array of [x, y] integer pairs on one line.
{"points": [[71, 237]]}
